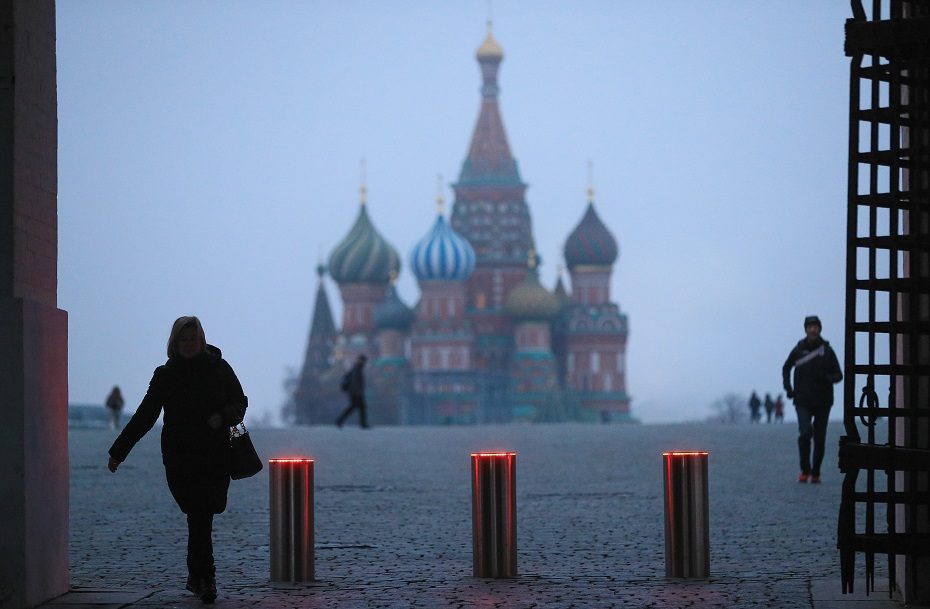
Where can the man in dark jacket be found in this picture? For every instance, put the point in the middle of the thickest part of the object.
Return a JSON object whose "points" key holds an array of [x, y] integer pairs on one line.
{"points": [[754, 405], [353, 383], [816, 369]]}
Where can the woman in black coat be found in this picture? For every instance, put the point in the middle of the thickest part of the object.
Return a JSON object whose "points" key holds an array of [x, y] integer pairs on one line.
{"points": [[202, 399]]}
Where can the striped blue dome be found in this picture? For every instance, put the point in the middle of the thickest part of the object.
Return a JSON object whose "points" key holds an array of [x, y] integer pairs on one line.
{"points": [[442, 255]]}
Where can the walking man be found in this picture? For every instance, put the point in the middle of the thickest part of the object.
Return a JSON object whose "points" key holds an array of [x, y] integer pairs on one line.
{"points": [[115, 406], [754, 405], [816, 369], [353, 383], [769, 407]]}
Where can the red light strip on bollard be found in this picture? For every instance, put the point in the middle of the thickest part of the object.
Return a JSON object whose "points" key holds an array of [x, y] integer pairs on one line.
{"points": [[685, 454], [290, 460], [512, 454]]}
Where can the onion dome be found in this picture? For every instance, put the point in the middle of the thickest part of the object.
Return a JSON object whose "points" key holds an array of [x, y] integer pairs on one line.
{"points": [[442, 255], [392, 313], [530, 300], [590, 243], [489, 49], [364, 256]]}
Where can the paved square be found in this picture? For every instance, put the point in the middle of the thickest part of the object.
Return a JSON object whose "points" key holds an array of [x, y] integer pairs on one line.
{"points": [[393, 520]]}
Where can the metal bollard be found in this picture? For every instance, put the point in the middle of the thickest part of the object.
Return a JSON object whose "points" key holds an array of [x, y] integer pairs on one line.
{"points": [[494, 514], [687, 530], [291, 484]]}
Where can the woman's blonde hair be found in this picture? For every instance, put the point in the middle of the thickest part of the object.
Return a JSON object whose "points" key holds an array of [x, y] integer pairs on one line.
{"points": [[182, 323]]}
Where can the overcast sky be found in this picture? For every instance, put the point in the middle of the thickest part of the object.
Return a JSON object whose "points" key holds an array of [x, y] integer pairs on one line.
{"points": [[209, 158]]}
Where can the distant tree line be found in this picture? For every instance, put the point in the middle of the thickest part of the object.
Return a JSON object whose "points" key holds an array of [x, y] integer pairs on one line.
{"points": [[730, 408]]}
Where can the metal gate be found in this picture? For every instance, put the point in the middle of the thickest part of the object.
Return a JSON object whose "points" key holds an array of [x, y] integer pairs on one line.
{"points": [[887, 358]]}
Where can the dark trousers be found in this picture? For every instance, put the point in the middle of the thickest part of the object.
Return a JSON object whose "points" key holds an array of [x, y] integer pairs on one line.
{"points": [[355, 401], [200, 544], [812, 423]]}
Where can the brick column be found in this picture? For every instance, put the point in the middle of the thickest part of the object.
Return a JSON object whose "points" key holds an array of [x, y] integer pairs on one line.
{"points": [[33, 331]]}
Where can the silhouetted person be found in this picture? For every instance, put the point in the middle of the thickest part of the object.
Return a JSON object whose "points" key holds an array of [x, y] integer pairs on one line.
{"points": [[754, 405], [779, 409], [202, 399], [353, 383], [816, 369], [769, 408], [115, 406]]}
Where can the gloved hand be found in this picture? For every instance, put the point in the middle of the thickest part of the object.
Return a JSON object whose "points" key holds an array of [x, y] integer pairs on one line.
{"points": [[232, 414], [215, 421], [790, 394]]}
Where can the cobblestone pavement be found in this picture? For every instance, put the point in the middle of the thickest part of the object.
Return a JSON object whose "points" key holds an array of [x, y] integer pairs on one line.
{"points": [[393, 521]]}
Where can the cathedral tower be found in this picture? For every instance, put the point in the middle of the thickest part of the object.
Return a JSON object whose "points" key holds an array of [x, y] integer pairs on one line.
{"points": [[595, 331], [362, 264], [442, 342], [534, 387], [314, 398], [490, 211], [388, 387]]}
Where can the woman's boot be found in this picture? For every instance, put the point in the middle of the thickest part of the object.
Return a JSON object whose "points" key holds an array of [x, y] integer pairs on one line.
{"points": [[195, 584], [208, 592]]}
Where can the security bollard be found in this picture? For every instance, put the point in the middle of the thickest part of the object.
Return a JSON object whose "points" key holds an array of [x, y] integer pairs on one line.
{"points": [[291, 484], [494, 514], [687, 532]]}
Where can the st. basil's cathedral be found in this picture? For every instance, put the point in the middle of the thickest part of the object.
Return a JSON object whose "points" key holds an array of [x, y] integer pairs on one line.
{"points": [[487, 342]]}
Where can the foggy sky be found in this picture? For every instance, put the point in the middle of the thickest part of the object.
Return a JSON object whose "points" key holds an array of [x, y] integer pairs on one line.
{"points": [[209, 158]]}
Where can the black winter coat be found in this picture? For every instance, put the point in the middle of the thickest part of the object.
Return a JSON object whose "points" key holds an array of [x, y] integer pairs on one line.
{"points": [[816, 369], [196, 456], [354, 380]]}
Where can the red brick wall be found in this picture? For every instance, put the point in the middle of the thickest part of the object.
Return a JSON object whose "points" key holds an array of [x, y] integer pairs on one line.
{"points": [[28, 152], [358, 305]]}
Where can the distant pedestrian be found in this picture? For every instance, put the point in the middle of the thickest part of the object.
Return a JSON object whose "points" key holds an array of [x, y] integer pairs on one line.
{"points": [[353, 383], [779, 409], [115, 406], [816, 369], [769, 408], [202, 399], [755, 404]]}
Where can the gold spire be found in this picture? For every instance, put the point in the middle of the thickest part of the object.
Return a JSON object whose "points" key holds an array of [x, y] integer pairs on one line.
{"points": [[362, 189], [590, 182], [440, 202], [531, 258], [490, 49]]}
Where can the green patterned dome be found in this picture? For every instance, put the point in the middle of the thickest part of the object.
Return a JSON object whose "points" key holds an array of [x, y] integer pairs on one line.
{"points": [[364, 256], [531, 301]]}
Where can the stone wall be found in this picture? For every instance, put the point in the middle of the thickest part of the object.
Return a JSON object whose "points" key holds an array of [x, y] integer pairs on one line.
{"points": [[34, 481]]}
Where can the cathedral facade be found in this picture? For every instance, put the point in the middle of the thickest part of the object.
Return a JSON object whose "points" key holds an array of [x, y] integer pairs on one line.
{"points": [[487, 342]]}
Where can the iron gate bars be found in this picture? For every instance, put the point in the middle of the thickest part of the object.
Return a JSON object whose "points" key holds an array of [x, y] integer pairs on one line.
{"points": [[887, 290]]}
